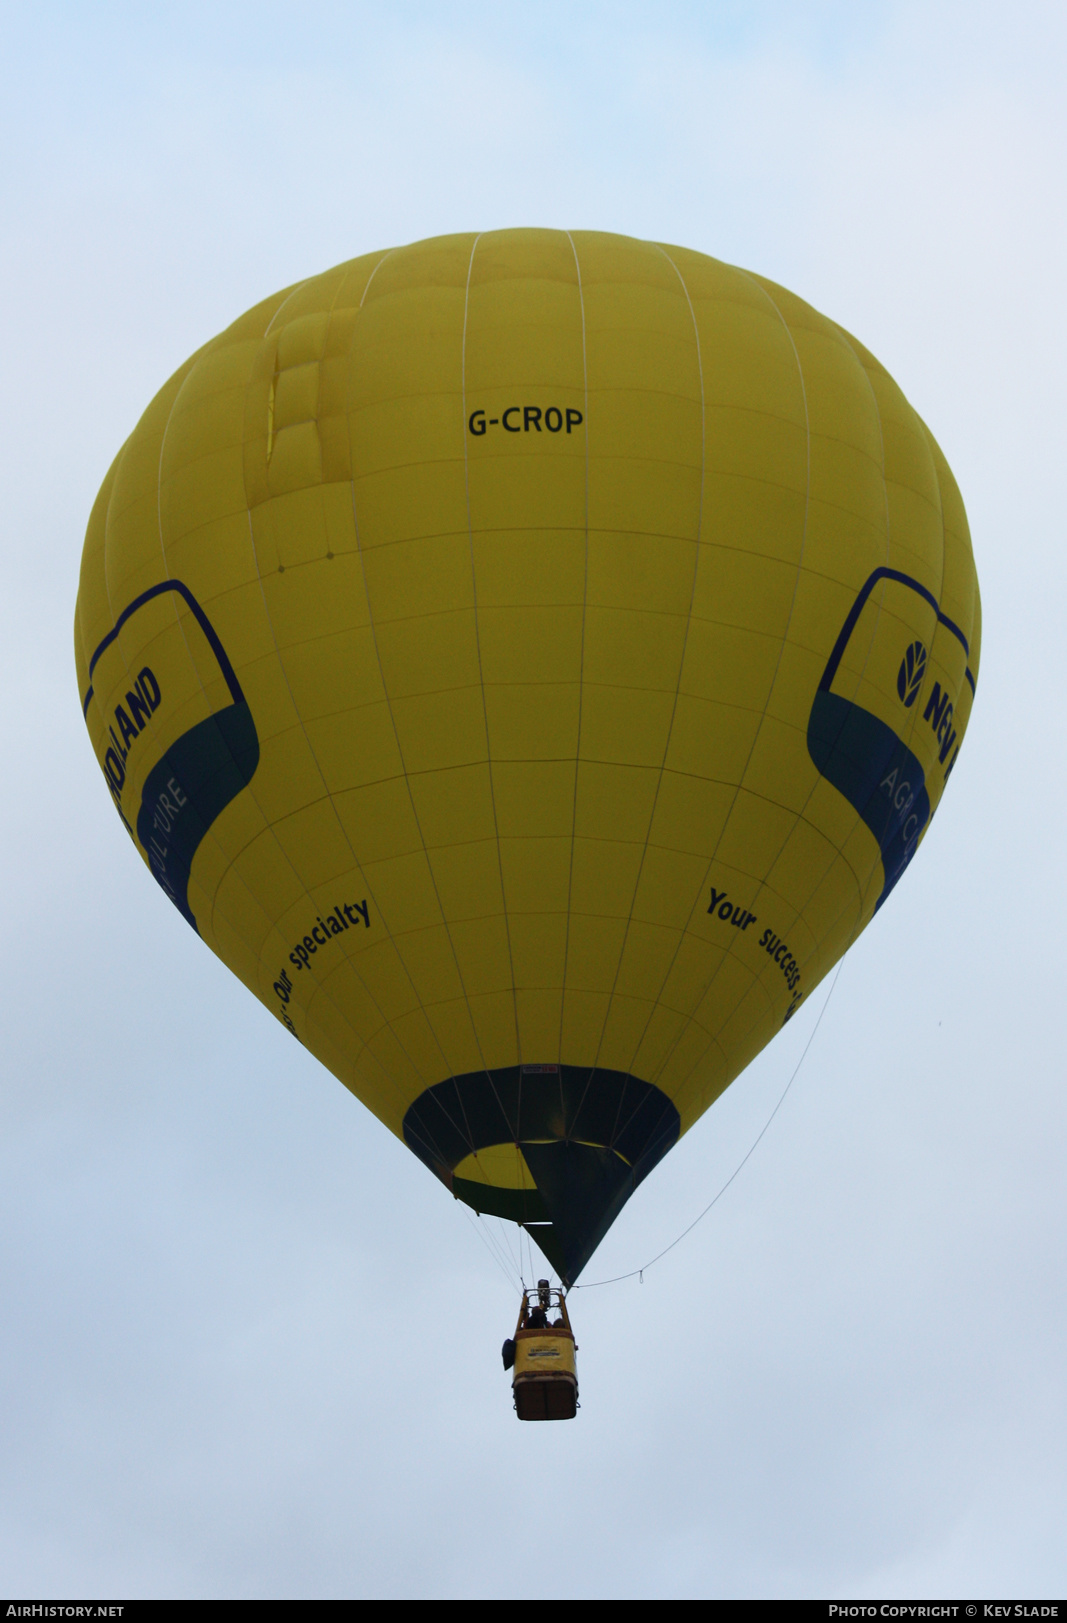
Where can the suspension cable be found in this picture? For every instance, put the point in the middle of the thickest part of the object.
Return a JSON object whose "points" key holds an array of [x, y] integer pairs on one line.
{"points": [[639, 1273], [487, 1240]]}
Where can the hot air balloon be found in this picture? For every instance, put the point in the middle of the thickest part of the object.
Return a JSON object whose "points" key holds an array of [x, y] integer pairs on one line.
{"points": [[528, 660]]}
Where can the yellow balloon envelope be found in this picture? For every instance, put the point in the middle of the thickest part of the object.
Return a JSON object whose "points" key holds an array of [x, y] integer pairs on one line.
{"points": [[529, 660]]}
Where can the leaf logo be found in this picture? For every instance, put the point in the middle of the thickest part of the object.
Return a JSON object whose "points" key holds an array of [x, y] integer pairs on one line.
{"points": [[910, 675]]}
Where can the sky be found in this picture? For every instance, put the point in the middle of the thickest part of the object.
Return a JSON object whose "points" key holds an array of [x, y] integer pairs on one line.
{"points": [[248, 1347]]}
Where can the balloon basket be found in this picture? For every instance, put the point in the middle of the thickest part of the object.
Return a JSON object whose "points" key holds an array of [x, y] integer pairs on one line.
{"points": [[542, 1355]]}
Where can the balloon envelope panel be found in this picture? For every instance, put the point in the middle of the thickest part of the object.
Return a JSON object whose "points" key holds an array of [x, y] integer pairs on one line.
{"points": [[528, 660]]}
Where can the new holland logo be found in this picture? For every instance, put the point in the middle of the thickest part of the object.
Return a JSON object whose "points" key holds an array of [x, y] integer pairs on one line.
{"points": [[910, 674]]}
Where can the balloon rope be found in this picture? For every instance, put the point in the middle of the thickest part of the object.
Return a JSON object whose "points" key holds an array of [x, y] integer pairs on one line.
{"points": [[505, 1240], [636, 1273], [486, 1238]]}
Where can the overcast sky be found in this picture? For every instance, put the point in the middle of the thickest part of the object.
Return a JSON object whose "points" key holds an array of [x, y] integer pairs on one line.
{"points": [[248, 1347]]}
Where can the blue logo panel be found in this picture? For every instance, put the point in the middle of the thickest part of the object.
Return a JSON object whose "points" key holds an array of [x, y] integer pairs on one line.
{"points": [[863, 757], [876, 773], [197, 775]]}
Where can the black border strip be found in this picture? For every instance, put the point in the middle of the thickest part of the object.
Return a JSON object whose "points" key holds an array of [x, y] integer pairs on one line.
{"points": [[202, 621], [885, 573]]}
